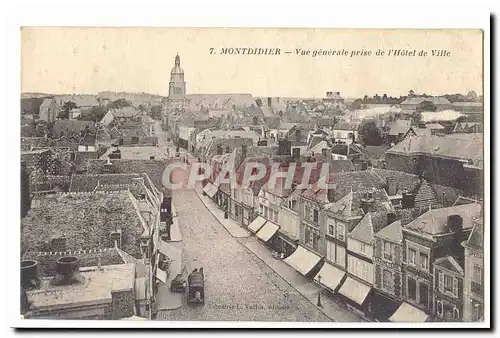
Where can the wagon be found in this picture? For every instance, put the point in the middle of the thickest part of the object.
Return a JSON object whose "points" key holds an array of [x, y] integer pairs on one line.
{"points": [[196, 286]]}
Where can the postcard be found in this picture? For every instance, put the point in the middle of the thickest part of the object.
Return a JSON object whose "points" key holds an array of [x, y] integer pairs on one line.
{"points": [[253, 175]]}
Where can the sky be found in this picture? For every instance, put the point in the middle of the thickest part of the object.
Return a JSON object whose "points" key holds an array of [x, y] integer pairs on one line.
{"points": [[87, 60]]}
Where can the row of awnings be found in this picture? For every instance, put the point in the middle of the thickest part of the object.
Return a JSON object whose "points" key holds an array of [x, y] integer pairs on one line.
{"points": [[210, 189], [263, 229], [304, 261]]}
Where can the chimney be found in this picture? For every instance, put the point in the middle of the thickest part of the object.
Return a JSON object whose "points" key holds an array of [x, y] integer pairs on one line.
{"points": [[29, 274], [255, 120], [228, 150], [244, 151], [408, 200], [367, 202], [219, 149], [67, 271], [455, 223], [296, 155], [284, 147], [391, 186], [326, 154], [331, 195], [269, 101]]}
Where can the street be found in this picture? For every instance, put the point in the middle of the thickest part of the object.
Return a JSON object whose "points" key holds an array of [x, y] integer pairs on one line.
{"points": [[238, 286]]}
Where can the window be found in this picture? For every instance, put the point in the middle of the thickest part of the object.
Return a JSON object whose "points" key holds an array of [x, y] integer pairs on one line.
{"points": [[340, 232], [448, 283], [340, 256], [315, 215], [424, 261], [439, 308], [412, 256], [307, 212], [307, 236], [261, 209], [387, 279], [477, 274], [363, 248], [423, 294], [412, 289], [331, 230], [456, 313], [315, 241], [388, 251]]}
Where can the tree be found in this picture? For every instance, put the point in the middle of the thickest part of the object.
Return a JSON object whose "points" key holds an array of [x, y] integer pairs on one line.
{"points": [[426, 106], [384, 97], [365, 99], [370, 134], [120, 103], [67, 106], [472, 96], [356, 104], [411, 93]]}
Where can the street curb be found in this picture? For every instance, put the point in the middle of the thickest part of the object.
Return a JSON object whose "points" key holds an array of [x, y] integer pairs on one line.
{"points": [[217, 218], [293, 287]]}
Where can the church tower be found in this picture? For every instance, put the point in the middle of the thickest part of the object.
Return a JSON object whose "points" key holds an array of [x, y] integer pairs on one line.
{"points": [[177, 86]]}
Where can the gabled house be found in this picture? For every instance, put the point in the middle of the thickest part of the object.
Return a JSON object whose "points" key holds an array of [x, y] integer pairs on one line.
{"points": [[436, 234], [474, 274], [448, 294], [49, 109]]}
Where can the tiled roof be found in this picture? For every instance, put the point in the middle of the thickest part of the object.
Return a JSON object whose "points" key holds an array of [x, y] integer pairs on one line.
{"points": [[153, 168], [75, 216], [47, 260], [442, 146], [476, 237], [449, 263], [392, 232], [368, 226], [399, 127], [403, 180], [72, 127], [425, 195], [434, 221], [437, 100]]}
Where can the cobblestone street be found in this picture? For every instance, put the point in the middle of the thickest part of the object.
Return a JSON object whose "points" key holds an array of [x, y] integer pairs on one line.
{"points": [[238, 286]]}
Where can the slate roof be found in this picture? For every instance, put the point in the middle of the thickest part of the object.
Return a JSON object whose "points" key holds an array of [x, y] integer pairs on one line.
{"points": [[434, 221], [399, 127], [449, 263], [476, 237], [47, 260], [403, 180], [75, 216], [392, 232], [442, 146]]}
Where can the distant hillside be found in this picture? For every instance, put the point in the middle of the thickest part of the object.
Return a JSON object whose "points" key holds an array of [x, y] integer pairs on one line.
{"points": [[33, 95], [136, 98]]}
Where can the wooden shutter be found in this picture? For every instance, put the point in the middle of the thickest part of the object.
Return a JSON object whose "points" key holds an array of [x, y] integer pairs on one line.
{"points": [[441, 281], [455, 286]]}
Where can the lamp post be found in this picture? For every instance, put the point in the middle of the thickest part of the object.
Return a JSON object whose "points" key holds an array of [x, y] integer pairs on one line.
{"points": [[319, 293]]}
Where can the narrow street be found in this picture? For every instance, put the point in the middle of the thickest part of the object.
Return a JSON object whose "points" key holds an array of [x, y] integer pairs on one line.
{"points": [[238, 286]]}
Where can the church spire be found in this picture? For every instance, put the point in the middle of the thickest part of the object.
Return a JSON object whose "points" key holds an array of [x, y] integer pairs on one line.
{"points": [[177, 60]]}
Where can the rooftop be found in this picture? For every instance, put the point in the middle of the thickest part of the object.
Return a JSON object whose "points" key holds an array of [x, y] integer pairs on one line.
{"points": [[437, 100], [476, 237], [97, 288], [399, 127], [450, 146], [138, 153], [86, 220], [434, 221], [392, 232], [368, 226]]}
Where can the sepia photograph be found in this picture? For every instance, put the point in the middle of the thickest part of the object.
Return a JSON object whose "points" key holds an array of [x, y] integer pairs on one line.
{"points": [[253, 175]]}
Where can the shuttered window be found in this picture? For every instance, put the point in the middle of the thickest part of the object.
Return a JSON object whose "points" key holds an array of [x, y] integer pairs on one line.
{"points": [[441, 281], [455, 287]]}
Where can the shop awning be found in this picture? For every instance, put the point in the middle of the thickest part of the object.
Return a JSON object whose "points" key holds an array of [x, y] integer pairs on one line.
{"points": [[355, 290], [330, 276], [302, 260], [207, 187], [212, 191], [257, 224], [408, 313], [267, 231]]}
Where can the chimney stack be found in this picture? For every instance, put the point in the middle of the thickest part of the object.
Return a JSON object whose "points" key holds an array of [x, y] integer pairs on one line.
{"points": [[284, 147], [244, 151], [255, 120], [391, 187], [455, 223], [408, 200], [228, 150], [296, 155], [367, 202], [219, 149], [391, 218], [67, 271], [116, 238], [331, 195], [29, 274]]}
